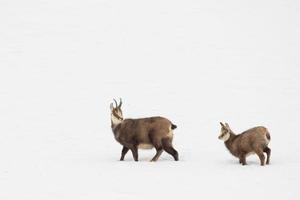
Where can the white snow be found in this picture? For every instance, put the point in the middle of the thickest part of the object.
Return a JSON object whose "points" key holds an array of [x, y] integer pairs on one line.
{"points": [[194, 62]]}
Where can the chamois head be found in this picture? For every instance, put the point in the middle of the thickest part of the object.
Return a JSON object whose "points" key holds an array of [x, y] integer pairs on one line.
{"points": [[225, 132], [116, 113]]}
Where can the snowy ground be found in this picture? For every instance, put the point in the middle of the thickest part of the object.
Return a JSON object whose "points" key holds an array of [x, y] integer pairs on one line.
{"points": [[197, 63]]}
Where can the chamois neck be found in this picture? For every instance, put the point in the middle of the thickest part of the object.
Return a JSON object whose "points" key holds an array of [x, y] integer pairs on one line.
{"points": [[231, 138], [114, 125]]}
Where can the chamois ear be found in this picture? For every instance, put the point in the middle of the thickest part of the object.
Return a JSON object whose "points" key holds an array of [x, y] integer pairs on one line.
{"points": [[227, 125], [222, 125], [111, 106]]}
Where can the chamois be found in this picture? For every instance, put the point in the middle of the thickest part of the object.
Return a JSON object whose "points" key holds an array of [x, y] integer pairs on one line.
{"points": [[254, 140], [144, 133]]}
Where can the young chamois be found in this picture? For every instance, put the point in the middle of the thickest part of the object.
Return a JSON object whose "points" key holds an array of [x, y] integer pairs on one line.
{"points": [[144, 133], [254, 140]]}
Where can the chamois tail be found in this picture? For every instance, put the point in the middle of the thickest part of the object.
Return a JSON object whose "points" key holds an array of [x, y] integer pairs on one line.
{"points": [[173, 126]]}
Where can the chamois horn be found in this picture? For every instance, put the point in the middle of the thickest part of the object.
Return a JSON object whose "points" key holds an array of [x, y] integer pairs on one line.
{"points": [[120, 103], [116, 103]]}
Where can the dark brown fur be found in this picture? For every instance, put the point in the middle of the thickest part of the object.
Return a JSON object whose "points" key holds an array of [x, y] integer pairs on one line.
{"points": [[133, 133], [254, 140]]}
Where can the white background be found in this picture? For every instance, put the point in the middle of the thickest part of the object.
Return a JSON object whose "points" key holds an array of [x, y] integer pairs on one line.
{"points": [[194, 62]]}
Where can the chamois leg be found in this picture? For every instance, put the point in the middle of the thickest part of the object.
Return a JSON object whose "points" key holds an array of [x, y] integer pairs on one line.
{"points": [[267, 150], [159, 151], [243, 159], [261, 156], [167, 146], [124, 151], [134, 151], [158, 146]]}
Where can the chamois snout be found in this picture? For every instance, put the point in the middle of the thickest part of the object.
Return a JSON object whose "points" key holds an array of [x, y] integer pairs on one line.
{"points": [[225, 134], [116, 113]]}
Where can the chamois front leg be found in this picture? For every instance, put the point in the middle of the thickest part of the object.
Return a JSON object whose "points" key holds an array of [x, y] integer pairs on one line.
{"points": [[242, 158], [124, 151]]}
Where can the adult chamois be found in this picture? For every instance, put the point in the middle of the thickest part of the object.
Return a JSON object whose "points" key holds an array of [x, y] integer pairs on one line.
{"points": [[144, 133]]}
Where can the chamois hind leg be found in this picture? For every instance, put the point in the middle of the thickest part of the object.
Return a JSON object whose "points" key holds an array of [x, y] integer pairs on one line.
{"points": [[267, 150], [261, 156], [124, 151], [158, 146], [167, 146], [159, 151]]}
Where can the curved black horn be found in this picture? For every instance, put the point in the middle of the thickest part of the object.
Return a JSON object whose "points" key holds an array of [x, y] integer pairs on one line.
{"points": [[120, 103], [116, 103], [222, 124]]}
